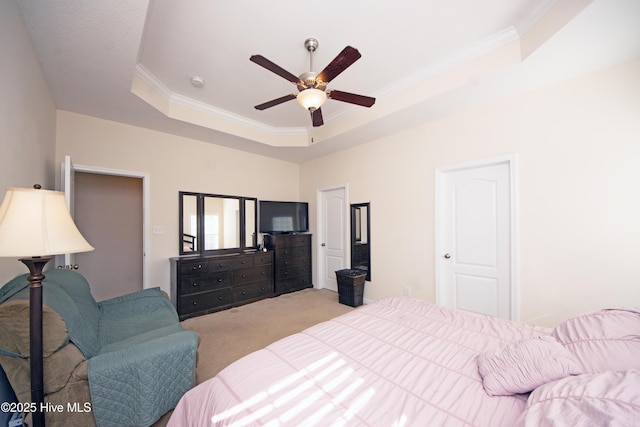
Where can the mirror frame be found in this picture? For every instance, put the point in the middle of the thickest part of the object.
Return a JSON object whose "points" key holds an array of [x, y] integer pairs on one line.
{"points": [[200, 201], [356, 234]]}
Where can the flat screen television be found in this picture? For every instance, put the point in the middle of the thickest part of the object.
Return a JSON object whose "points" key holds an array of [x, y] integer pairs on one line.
{"points": [[283, 217]]}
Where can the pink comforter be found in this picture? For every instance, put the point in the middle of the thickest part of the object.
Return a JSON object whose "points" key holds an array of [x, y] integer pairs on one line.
{"points": [[396, 362]]}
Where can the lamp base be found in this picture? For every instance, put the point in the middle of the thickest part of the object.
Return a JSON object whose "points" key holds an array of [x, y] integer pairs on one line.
{"points": [[35, 278]]}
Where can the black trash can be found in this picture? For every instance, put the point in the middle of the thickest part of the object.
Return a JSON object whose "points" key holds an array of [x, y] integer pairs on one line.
{"points": [[350, 286]]}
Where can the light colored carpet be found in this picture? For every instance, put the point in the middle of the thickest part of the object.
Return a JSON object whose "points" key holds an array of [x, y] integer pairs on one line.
{"points": [[228, 335]]}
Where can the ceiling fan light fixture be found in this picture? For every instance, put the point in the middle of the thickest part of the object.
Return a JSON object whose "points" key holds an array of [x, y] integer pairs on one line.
{"points": [[312, 99]]}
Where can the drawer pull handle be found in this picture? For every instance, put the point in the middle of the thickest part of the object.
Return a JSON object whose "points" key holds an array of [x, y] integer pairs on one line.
{"points": [[244, 276], [195, 303], [263, 273], [244, 292], [195, 284], [219, 280], [220, 265], [242, 262], [220, 298]]}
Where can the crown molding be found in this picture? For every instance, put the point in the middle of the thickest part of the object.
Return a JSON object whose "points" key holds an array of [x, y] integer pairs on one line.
{"points": [[542, 10], [174, 99]]}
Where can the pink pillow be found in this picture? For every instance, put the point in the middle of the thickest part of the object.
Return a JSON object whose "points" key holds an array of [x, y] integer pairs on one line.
{"points": [[606, 399], [606, 340], [524, 365]]}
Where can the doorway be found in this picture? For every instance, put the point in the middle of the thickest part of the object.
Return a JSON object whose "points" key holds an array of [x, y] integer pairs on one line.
{"points": [[476, 248], [108, 210], [67, 185], [333, 238]]}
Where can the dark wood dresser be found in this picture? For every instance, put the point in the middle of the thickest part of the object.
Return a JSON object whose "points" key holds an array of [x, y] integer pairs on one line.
{"points": [[204, 284], [292, 261]]}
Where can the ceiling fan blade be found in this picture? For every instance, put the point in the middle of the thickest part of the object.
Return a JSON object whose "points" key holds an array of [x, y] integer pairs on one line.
{"points": [[316, 118], [348, 56], [274, 68], [275, 102], [352, 98]]}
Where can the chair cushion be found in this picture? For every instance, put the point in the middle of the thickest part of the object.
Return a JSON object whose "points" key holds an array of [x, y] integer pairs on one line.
{"points": [[67, 293]]}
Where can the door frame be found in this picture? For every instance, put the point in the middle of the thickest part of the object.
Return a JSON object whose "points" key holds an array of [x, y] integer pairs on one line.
{"points": [[319, 223], [146, 247], [512, 161]]}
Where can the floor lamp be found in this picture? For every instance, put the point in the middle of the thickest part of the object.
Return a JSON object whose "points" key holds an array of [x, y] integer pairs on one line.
{"points": [[35, 225]]}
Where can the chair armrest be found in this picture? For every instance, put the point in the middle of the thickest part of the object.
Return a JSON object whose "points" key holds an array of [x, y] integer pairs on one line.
{"points": [[124, 299], [153, 375], [14, 323], [133, 314]]}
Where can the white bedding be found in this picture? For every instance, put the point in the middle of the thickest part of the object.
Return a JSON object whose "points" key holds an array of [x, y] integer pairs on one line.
{"points": [[396, 362]]}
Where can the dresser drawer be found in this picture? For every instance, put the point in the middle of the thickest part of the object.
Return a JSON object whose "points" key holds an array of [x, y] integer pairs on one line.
{"points": [[251, 275], [230, 263], [295, 271], [297, 251], [201, 282], [255, 290], [293, 284], [263, 258], [292, 241], [293, 261], [194, 267], [205, 301]]}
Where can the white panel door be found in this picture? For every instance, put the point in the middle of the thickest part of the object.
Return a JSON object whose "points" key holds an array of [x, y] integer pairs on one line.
{"points": [[332, 237], [475, 240]]}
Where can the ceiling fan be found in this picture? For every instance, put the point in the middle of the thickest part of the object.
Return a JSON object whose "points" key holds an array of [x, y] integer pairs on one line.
{"points": [[312, 86]]}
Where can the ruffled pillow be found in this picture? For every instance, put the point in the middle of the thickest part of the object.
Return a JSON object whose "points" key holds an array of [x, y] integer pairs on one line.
{"points": [[524, 365], [606, 399], [606, 340]]}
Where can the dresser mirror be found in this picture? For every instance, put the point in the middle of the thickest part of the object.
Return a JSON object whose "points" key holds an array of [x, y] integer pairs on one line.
{"points": [[213, 223], [361, 238], [250, 223]]}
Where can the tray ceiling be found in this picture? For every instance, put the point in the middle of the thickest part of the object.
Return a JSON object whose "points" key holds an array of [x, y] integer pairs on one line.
{"points": [[133, 61]]}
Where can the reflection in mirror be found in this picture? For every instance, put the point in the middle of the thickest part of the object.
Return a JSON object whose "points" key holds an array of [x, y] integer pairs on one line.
{"points": [[216, 223], [189, 223], [361, 238], [221, 223], [251, 238]]}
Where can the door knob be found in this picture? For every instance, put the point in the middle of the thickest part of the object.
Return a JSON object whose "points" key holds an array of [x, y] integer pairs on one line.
{"points": [[324, 244], [447, 256]]}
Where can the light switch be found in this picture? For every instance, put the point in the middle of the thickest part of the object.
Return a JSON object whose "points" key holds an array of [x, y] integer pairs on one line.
{"points": [[158, 229]]}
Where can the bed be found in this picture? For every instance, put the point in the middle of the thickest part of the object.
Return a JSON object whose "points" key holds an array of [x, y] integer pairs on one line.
{"points": [[405, 362]]}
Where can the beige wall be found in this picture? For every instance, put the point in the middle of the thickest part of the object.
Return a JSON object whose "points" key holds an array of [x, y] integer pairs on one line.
{"points": [[27, 118], [578, 149], [174, 164]]}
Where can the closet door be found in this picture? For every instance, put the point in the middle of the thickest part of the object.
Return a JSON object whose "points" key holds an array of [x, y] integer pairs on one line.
{"points": [[475, 245]]}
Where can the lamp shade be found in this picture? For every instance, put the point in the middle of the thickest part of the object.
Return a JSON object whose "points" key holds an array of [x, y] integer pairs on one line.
{"points": [[36, 222], [312, 98]]}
